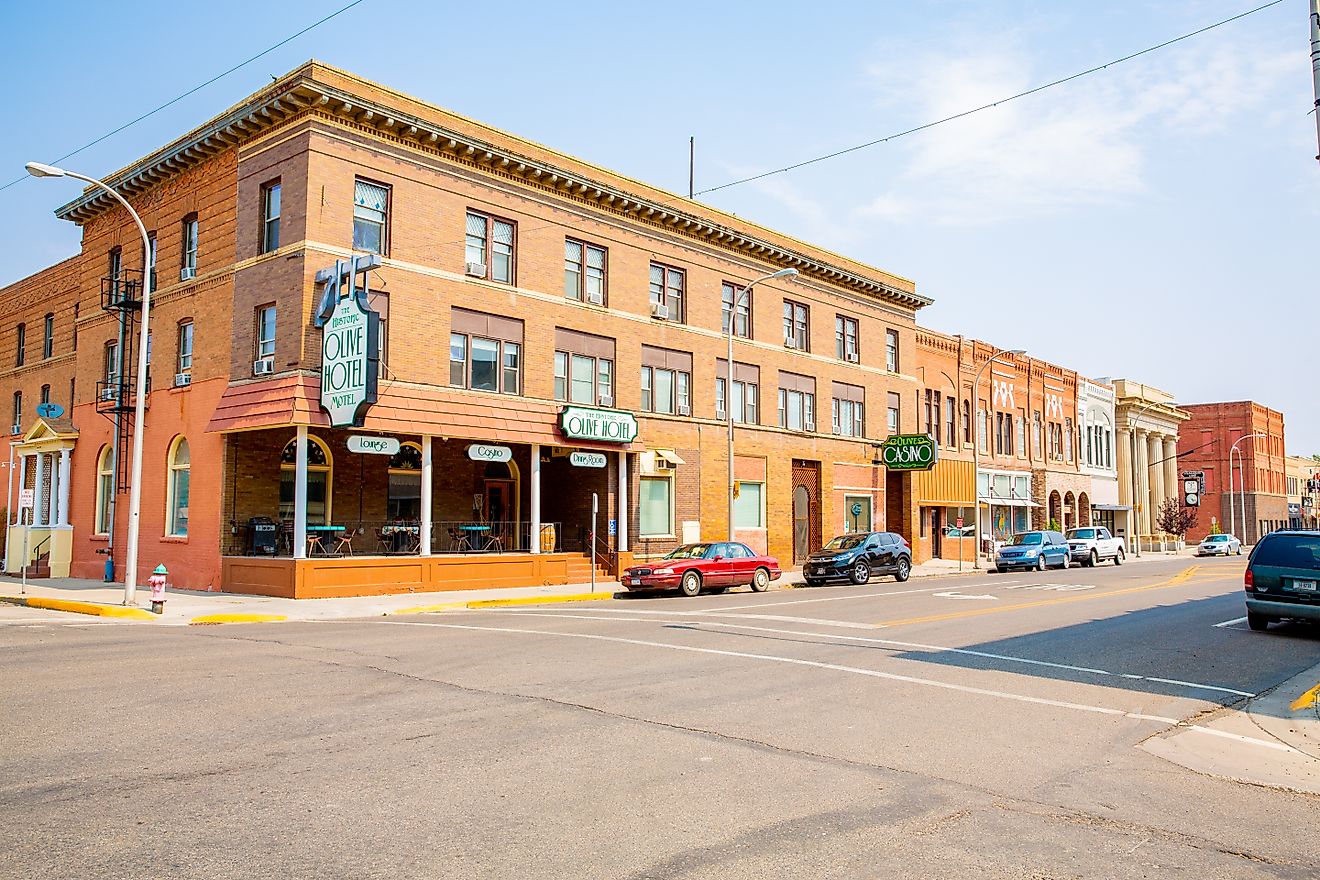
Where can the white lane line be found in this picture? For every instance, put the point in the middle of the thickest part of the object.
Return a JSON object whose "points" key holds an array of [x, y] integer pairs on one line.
{"points": [[1232, 622], [803, 601], [904, 645], [852, 670]]}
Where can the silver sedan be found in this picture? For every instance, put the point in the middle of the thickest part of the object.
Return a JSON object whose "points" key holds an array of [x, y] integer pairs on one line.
{"points": [[1219, 545]]}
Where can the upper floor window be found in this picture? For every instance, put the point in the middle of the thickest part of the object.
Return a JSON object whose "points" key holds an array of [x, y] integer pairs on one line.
{"points": [[891, 351], [746, 392], [485, 352], [845, 338], [20, 341], [892, 412], [846, 410], [115, 263], [270, 217], [189, 265], [951, 420], [584, 368], [797, 402], [265, 332], [667, 292], [933, 406], [17, 424], [666, 381], [185, 359], [795, 325], [151, 250], [1068, 440], [489, 248], [371, 206], [967, 421], [1021, 435], [584, 272], [110, 363], [736, 300], [45, 394]]}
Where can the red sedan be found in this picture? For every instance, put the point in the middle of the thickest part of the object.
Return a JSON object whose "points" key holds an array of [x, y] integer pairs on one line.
{"points": [[696, 567]]}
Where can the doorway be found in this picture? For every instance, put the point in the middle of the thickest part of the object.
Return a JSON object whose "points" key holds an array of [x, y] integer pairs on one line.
{"points": [[498, 511], [806, 509], [937, 531]]}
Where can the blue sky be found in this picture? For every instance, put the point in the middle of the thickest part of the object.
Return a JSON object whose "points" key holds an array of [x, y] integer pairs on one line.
{"points": [[1157, 220]]}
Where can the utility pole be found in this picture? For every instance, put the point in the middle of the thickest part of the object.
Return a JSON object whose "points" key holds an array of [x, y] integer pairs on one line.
{"points": [[1315, 66]]}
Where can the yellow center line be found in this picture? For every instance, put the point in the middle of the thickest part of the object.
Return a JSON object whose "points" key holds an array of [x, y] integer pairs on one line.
{"points": [[1177, 580]]}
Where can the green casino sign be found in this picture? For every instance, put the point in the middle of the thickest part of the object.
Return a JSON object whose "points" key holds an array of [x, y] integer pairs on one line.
{"points": [[909, 452]]}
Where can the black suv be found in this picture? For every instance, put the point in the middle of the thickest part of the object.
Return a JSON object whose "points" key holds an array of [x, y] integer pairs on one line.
{"points": [[858, 555], [1283, 578]]}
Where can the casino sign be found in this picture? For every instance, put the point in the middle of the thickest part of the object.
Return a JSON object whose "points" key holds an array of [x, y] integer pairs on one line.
{"points": [[909, 452]]}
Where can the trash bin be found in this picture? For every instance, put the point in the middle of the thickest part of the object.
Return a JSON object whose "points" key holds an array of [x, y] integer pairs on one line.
{"points": [[548, 538], [261, 534]]}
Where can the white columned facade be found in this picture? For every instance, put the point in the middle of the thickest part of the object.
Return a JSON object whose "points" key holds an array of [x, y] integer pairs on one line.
{"points": [[1156, 469], [1140, 469], [622, 513], [300, 495], [427, 472], [1172, 481], [39, 503], [65, 464], [534, 498], [1125, 474]]}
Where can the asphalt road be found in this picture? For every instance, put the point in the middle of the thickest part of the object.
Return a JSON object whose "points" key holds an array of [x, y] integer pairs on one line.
{"points": [[982, 726]]}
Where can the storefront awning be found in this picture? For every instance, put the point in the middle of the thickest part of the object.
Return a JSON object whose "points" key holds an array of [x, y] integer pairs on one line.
{"points": [[1111, 507], [669, 455], [1007, 502]]}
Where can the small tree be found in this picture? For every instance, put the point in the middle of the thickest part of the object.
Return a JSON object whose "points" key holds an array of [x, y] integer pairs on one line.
{"points": [[1174, 519]]}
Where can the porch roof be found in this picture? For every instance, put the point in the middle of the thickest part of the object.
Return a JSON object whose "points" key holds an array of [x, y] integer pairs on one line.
{"points": [[400, 408]]}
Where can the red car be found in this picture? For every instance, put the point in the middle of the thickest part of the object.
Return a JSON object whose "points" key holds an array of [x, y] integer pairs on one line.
{"points": [[696, 567]]}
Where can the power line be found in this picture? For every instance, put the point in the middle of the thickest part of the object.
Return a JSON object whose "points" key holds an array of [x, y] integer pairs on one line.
{"points": [[193, 90], [964, 113]]}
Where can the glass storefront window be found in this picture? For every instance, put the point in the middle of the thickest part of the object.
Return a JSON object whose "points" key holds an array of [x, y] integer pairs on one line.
{"points": [[748, 512], [655, 506]]}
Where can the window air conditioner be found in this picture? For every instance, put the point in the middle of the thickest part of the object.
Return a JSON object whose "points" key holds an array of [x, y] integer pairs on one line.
{"points": [[475, 269], [187, 273], [605, 400], [16, 428], [851, 357], [596, 298], [809, 427], [789, 341], [660, 311], [836, 430], [182, 379], [110, 393], [263, 366], [684, 410]]}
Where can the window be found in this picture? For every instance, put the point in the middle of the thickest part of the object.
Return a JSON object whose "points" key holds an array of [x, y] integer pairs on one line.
{"points": [[746, 392], [20, 341], [666, 381], [48, 336], [951, 420], [116, 263], [371, 206], [45, 394], [584, 272], [846, 408], [270, 218], [584, 368], [891, 351], [265, 332], [1021, 432], [736, 300], [184, 364], [933, 406], [667, 288], [151, 242], [967, 421], [1068, 439], [485, 352], [796, 325], [982, 428], [489, 247], [189, 247], [111, 363], [105, 488], [319, 469], [405, 489], [1035, 432], [17, 423], [655, 508], [797, 402], [845, 338], [177, 505], [892, 415], [749, 505]]}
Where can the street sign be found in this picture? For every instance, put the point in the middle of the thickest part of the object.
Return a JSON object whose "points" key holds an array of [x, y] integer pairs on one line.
{"points": [[488, 452], [373, 445], [27, 499], [959, 522], [857, 508], [613, 527], [910, 452], [50, 410], [587, 459]]}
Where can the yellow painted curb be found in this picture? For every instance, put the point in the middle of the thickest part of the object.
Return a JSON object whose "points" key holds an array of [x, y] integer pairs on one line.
{"points": [[237, 618], [539, 600], [1307, 700], [426, 609], [73, 607]]}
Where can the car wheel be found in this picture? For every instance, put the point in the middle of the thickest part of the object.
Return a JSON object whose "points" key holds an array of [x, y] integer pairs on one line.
{"points": [[903, 570], [760, 581], [1258, 622], [691, 584], [1118, 557], [1041, 564], [1094, 560], [1239, 550], [861, 573]]}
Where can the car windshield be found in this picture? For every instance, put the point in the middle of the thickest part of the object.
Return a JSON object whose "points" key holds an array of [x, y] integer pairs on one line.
{"points": [[1027, 540], [1215, 539], [1081, 534], [688, 551], [1289, 551], [845, 542]]}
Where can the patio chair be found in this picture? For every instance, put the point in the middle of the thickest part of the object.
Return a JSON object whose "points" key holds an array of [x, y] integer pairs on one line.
{"points": [[344, 542], [382, 541], [456, 540]]}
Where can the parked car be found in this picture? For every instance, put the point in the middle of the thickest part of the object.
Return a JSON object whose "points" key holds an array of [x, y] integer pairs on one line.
{"points": [[956, 532], [715, 567], [1091, 544], [858, 556], [1038, 550], [1219, 545], [1283, 578]]}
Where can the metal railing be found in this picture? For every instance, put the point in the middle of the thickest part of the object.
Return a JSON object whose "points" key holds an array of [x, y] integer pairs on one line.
{"points": [[400, 538]]}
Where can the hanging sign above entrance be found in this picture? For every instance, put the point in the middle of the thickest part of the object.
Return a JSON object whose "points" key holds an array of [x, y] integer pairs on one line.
{"points": [[602, 425], [350, 342], [373, 445], [587, 459], [910, 452], [488, 452]]}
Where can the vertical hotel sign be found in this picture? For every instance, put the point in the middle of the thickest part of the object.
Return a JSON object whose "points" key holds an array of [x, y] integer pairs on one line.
{"points": [[350, 342]]}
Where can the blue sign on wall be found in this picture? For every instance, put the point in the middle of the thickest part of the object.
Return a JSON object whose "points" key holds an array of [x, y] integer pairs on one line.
{"points": [[50, 410]]}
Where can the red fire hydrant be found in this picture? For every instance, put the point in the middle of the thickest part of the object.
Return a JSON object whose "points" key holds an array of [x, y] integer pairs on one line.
{"points": [[157, 584]]}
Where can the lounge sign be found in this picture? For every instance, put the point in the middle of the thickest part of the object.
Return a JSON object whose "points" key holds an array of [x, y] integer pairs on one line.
{"points": [[909, 452], [373, 445], [601, 425], [350, 345]]}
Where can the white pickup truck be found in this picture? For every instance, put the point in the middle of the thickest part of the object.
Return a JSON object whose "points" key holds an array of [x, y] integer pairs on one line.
{"points": [[1091, 544]]}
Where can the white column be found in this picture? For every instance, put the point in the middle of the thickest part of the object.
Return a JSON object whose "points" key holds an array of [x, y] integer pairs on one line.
{"points": [[53, 502], [426, 495], [622, 503], [39, 511], [65, 464], [1156, 472], [300, 495], [1141, 472], [1172, 481], [535, 491]]}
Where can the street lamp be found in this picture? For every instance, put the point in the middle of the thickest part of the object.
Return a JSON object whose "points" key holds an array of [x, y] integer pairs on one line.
{"points": [[976, 450], [728, 382], [37, 169], [1242, 485]]}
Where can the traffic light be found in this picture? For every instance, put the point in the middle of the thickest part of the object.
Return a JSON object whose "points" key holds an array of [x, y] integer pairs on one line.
{"points": [[1192, 493]]}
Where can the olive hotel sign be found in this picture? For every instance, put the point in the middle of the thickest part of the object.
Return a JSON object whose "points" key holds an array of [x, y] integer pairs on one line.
{"points": [[350, 342]]}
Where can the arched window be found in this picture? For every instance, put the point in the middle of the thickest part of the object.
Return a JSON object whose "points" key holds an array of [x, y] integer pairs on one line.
{"points": [[45, 394], [319, 469], [177, 487], [405, 497], [105, 488]]}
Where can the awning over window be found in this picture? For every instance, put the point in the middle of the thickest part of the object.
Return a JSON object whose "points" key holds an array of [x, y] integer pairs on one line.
{"points": [[1007, 502], [1111, 507]]}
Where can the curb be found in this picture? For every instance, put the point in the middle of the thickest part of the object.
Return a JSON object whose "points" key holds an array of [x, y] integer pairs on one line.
{"points": [[73, 607], [538, 600], [427, 609], [236, 618]]}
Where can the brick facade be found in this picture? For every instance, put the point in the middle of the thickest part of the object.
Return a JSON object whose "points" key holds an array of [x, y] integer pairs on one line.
{"points": [[1204, 445]]}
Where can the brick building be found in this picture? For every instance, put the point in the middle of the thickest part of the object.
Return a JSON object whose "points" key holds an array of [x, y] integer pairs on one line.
{"points": [[1259, 474], [549, 286], [1303, 481]]}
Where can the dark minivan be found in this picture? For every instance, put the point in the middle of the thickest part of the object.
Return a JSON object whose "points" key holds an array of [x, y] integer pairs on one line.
{"points": [[857, 556], [1283, 573]]}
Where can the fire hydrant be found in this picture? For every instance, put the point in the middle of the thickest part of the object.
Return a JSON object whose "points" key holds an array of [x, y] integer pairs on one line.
{"points": [[157, 584]]}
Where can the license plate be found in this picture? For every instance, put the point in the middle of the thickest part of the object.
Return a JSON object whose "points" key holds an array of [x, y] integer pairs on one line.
{"points": [[1304, 586], [636, 582], [820, 569]]}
